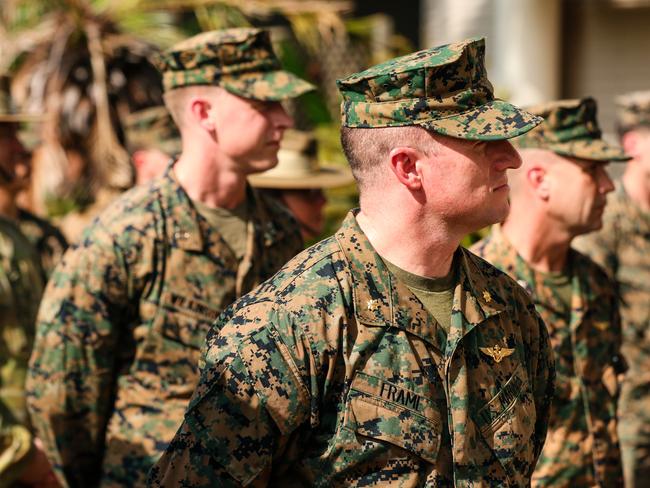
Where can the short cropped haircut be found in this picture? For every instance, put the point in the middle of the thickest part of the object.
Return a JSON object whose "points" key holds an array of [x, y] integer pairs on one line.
{"points": [[366, 148]]}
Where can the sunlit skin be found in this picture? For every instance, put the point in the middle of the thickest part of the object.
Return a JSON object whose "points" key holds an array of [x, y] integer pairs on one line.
{"points": [[554, 199], [225, 138], [636, 178], [149, 163], [578, 194], [431, 200], [306, 205]]}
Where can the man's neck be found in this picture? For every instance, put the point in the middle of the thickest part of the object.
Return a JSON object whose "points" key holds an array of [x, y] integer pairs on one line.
{"points": [[536, 240], [8, 207], [206, 181], [637, 187], [405, 243]]}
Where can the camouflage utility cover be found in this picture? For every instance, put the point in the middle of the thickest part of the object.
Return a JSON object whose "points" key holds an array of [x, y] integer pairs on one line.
{"points": [[622, 247], [633, 110], [21, 287], [122, 322], [570, 129], [582, 447], [241, 60], [333, 374], [45, 237], [443, 89], [152, 127]]}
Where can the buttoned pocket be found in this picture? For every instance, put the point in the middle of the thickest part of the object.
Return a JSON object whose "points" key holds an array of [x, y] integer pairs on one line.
{"points": [[507, 421], [399, 416]]}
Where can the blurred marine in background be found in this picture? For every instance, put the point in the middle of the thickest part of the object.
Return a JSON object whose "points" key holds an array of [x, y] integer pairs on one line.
{"points": [[126, 313], [298, 181], [622, 247], [560, 192], [15, 172]]}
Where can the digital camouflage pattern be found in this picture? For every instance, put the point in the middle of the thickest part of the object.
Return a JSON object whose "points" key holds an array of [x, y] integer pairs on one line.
{"points": [[622, 247], [46, 238], [582, 447], [633, 110], [20, 292], [332, 373], [241, 60], [122, 322], [570, 128], [444, 89], [152, 127]]}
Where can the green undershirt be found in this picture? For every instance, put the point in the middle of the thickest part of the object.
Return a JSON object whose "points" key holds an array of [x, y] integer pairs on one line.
{"points": [[436, 294], [230, 223]]}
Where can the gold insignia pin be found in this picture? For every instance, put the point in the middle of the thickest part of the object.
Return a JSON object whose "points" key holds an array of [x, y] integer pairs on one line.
{"points": [[373, 304], [487, 297], [497, 352], [601, 325]]}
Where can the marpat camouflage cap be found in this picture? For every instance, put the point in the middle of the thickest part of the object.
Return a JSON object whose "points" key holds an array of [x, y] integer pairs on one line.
{"points": [[152, 127], [634, 111], [570, 129], [443, 89], [241, 60]]}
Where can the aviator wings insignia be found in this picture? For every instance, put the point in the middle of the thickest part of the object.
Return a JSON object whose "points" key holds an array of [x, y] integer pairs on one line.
{"points": [[497, 352]]}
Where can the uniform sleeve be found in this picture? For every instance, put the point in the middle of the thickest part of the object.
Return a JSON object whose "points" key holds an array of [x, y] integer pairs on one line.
{"points": [[245, 412], [601, 246], [70, 381], [543, 374]]}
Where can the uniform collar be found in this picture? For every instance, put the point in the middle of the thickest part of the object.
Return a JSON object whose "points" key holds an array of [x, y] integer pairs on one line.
{"points": [[184, 230], [382, 301]]}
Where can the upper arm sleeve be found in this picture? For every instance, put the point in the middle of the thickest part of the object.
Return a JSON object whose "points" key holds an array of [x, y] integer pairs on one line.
{"points": [[71, 377]]}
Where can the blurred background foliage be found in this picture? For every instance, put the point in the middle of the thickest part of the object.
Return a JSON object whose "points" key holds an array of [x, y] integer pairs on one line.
{"points": [[87, 64]]}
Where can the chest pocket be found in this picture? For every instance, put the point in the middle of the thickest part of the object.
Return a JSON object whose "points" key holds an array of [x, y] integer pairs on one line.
{"points": [[383, 411], [507, 421], [186, 320]]}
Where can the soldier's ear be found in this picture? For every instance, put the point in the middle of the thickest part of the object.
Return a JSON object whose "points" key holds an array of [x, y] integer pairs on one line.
{"points": [[537, 178], [200, 109], [404, 165]]}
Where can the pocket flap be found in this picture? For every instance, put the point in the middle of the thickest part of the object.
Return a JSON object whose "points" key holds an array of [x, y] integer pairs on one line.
{"points": [[373, 417]]}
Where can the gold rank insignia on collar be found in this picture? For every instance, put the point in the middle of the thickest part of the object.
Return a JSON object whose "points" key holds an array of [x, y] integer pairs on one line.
{"points": [[487, 297], [601, 325], [497, 352], [372, 305]]}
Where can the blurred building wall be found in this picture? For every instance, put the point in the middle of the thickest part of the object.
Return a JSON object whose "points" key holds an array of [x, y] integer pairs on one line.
{"points": [[523, 41]]}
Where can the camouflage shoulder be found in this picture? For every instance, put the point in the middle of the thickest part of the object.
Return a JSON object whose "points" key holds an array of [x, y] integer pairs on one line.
{"points": [[586, 267], [132, 209], [500, 282]]}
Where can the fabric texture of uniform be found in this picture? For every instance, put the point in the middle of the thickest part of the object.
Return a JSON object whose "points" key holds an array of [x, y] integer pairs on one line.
{"points": [[122, 322], [45, 237], [21, 286], [241, 60], [622, 247], [443, 89], [570, 128], [332, 374], [582, 447]]}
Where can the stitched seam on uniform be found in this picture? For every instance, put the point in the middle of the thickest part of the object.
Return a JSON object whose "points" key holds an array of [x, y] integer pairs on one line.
{"points": [[294, 277], [374, 400]]}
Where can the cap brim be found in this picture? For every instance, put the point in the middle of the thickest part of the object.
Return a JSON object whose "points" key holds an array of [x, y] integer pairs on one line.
{"points": [[493, 121], [269, 86], [593, 150], [326, 177]]}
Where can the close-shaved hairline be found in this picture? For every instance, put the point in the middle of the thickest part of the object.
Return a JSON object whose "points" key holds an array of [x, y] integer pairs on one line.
{"points": [[176, 99]]}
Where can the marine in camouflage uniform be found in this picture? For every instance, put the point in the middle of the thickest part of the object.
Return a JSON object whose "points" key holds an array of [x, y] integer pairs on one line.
{"points": [[573, 295], [334, 373], [125, 314], [622, 247], [14, 177], [20, 292]]}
